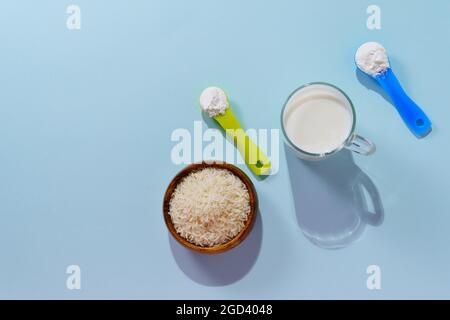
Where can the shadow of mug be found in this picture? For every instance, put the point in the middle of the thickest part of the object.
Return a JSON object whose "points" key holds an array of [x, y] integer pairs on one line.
{"points": [[330, 199]]}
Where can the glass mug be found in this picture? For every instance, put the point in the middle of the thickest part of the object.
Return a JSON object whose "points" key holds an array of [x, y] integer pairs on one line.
{"points": [[318, 120]]}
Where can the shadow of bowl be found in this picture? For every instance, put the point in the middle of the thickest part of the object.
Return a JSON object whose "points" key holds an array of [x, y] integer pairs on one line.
{"points": [[222, 269]]}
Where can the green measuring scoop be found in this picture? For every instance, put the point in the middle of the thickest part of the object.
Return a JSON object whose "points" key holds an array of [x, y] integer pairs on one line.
{"points": [[253, 156]]}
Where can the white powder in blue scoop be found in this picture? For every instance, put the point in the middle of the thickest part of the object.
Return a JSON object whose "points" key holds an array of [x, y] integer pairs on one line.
{"points": [[372, 58]]}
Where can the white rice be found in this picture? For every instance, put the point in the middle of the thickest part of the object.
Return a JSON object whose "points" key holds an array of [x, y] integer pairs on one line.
{"points": [[210, 207]]}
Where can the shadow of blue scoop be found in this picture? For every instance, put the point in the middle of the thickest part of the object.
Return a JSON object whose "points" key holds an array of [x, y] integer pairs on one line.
{"points": [[334, 199]]}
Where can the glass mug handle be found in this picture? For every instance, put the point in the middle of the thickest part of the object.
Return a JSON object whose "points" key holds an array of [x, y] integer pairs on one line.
{"points": [[361, 145]]}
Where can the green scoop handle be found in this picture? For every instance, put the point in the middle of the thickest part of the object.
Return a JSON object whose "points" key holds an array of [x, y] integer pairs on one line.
{"points": [[253, 156]]}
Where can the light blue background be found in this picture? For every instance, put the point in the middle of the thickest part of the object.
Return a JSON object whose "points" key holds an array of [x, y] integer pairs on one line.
{"points": [[85, 124]]}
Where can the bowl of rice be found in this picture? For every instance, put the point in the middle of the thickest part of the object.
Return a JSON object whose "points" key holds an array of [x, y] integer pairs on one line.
{"points": [[210, 207]]}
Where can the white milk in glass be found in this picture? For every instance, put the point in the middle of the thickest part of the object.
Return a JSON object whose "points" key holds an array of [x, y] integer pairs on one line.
{"points": [[318, 119]]}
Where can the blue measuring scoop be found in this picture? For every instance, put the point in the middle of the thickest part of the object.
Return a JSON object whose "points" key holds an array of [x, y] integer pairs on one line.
{"points": [[413, 116]]}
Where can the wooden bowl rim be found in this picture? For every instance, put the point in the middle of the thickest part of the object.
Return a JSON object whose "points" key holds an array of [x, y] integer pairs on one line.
{"points": [[240, 237]]}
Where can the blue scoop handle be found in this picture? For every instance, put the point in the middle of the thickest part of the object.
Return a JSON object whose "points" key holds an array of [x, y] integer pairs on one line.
{"points": [[413, 116]]}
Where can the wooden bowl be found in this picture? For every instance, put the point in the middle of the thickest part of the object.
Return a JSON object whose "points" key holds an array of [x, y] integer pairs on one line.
{"points": [[248, 225]]}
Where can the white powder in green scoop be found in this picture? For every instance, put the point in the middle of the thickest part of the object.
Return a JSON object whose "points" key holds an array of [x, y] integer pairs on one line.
{"points": [[210, 207], [214, 101]]}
